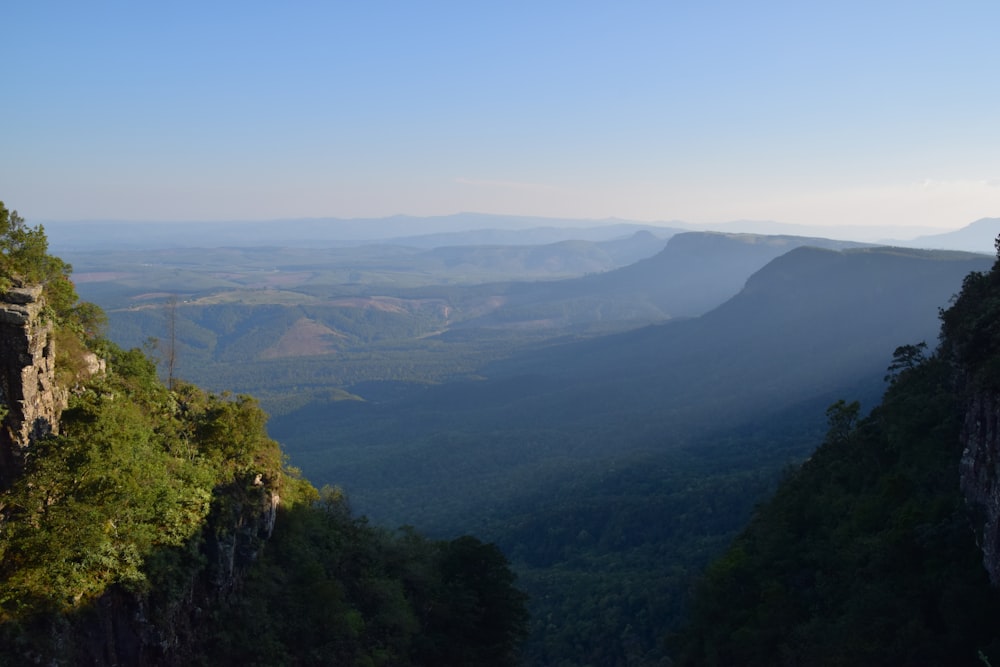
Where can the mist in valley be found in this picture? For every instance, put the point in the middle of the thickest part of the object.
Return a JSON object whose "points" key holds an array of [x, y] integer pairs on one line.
{"points": [[607, 409]]}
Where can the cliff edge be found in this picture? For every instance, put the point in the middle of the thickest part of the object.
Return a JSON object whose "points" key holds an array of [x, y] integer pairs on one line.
{"points": [[980, 474], [30, 400], [970, 341]]}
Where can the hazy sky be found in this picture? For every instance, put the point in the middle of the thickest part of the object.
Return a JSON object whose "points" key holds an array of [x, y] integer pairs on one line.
{"points": [[697, 110]]}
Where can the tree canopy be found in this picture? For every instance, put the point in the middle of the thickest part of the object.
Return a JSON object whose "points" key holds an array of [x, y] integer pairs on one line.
{"points": [[25, 260], [866, 554]]}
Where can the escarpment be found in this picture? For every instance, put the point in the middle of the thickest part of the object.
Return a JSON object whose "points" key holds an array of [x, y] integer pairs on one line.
{"points": [[970, 341]]}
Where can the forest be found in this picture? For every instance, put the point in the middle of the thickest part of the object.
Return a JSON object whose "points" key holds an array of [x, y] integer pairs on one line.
{"points": [[869, 554], [136, 535], [608, 418]]}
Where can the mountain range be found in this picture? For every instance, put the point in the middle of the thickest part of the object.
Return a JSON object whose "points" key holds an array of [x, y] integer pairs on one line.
{"points": [[458, 229]]}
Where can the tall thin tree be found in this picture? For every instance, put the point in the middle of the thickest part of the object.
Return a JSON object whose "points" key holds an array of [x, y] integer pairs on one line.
{"points": [[171, 340]]}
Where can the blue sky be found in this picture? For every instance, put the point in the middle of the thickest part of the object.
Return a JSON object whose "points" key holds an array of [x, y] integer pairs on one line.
{"points": [[814, 113]]}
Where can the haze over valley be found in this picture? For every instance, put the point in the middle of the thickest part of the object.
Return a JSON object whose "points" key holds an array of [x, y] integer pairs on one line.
{"points": [[643, 387], [554, 334]]}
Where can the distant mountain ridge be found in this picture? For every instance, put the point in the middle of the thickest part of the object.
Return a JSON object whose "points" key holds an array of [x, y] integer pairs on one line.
{"points": [[421, 232], [695, 272], [868, 553], [467, 229], [809, 326], [555, 258], [874, 234], [976, 237], [837, 314]]}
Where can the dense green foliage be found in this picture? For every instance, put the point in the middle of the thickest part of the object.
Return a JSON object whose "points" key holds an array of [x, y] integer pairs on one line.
{"points": [[133, 472], [340, 592], [611, 471], [607, 560], [970, 328], [131, 493], [24, 260], [866, 555], [139, 534]]}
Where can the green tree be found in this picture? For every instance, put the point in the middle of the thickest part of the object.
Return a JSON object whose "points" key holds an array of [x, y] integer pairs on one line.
{"points": [[970, 327], [842, 418], [24, 260], [864, 555], [484, 619], [905, 358]]}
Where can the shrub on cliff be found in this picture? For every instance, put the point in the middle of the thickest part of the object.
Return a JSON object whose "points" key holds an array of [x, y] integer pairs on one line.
{"points": [[25, 260]]}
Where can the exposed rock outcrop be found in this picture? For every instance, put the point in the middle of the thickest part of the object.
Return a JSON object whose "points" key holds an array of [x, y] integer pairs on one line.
{"points": [[130, 628], [242, 523], [29, 397], [980, 474]]}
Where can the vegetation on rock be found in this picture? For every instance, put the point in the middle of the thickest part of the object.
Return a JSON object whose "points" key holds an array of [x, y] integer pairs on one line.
{"points": [[136, 535], [24, 260]]}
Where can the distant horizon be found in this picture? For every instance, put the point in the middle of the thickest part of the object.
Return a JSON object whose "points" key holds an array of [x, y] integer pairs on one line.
{"points": [[854, 113], [584, 220], [468, 228]]}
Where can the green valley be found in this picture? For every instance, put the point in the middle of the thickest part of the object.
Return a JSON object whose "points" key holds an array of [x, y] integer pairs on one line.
{"points": [[611, 432]]}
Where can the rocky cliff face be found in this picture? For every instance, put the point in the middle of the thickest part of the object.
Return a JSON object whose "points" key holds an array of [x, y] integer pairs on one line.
{"points": [[247, 521], [29, 397], [128, 628], [980, 474]]}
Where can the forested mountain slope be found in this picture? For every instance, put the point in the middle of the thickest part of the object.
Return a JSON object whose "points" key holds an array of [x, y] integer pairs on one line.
{"points": [[693, 274], [146, 524], [635, 456], [610, 469], [807, 326], [867, 554]]}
